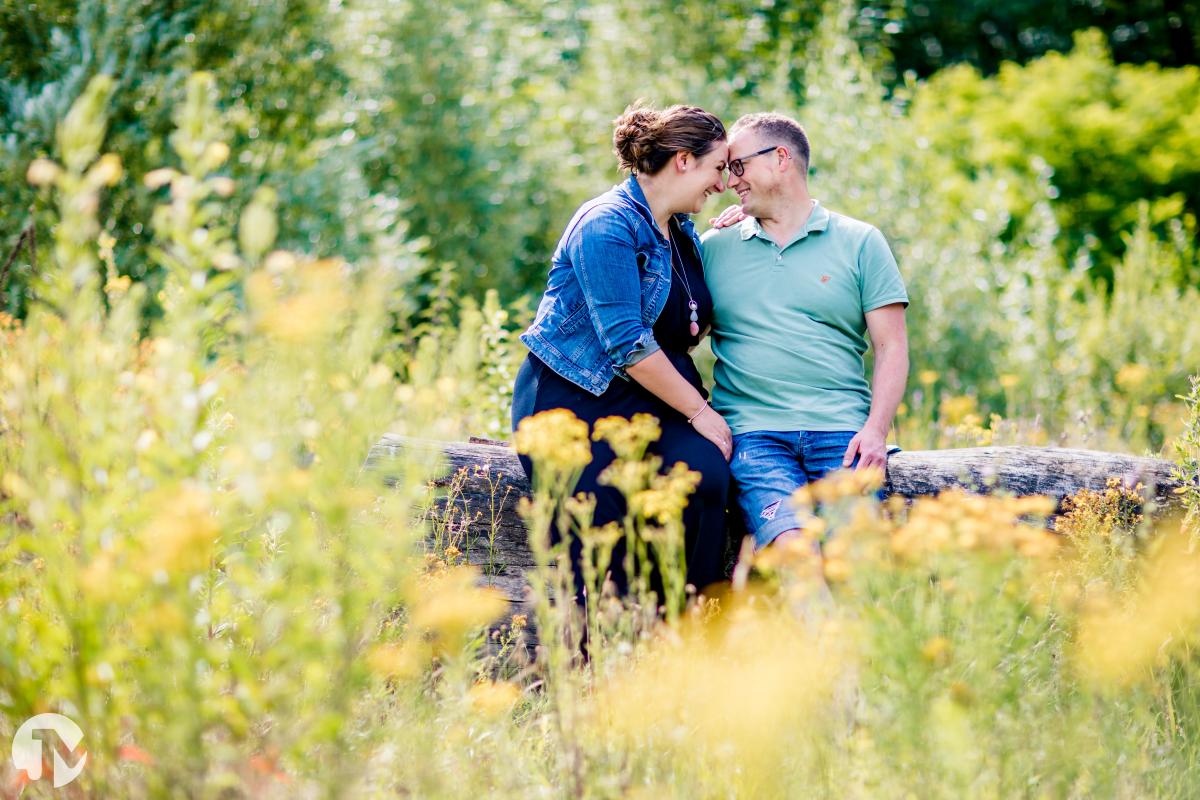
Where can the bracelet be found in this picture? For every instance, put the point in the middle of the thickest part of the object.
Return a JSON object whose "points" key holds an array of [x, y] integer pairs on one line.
{"points": [[698, 413]]}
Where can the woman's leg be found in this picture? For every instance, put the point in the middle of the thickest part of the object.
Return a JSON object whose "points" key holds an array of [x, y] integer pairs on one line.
{"points": [[610, 507], [704, 517]]}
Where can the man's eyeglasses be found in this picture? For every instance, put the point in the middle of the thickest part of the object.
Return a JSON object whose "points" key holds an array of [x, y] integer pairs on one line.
{"points": [[738, 166]]}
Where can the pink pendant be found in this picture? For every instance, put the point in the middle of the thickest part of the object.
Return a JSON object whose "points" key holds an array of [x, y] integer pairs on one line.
{"points": [[694, 329]]}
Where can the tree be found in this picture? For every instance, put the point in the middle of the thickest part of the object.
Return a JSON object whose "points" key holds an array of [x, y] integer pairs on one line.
{"points": [[925, 36], [1094, 136]]}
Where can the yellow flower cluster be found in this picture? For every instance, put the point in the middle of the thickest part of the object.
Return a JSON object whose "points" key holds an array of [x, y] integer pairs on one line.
{"points": [[958, 520], [182, 537], [630, 477], [1121, 640], [937, 651], [838, 485], [667, 496], [1116, 509], [556, 439], [302, 305], [786, 675], [627, 437], [970, 431], [603, 537], [445, 607], [1132, 376], [9, 324], [493, 698]]}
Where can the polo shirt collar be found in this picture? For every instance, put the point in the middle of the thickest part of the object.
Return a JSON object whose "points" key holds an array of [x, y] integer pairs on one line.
{"points": [[818, 220]]}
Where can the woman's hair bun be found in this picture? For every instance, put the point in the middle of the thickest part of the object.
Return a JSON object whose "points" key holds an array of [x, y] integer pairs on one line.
{"points": [[633, 136], [645, 139]]}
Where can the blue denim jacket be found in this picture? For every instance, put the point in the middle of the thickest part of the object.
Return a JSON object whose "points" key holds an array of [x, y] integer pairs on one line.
{"points": [[609, 280]]}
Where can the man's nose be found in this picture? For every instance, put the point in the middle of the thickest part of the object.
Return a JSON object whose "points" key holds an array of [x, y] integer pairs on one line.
{"points": [[731, 180]]}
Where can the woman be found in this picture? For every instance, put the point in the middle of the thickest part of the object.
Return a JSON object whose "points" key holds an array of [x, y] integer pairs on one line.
{"points": [[625, 302]]}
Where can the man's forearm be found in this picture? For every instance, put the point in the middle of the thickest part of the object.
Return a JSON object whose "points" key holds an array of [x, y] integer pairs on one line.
{"points": [[887, 384]]}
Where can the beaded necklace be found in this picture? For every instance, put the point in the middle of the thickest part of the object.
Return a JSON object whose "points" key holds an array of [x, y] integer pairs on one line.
{"points": [[694, 327]]}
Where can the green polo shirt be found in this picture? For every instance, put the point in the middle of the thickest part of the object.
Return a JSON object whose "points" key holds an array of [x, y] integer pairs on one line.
{"points": [[789, 325]]}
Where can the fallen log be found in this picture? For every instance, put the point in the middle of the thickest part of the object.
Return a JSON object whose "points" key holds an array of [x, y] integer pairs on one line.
{"points": [[483, 482]]}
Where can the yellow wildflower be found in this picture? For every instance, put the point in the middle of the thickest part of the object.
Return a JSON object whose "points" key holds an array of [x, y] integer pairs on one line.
{"points": [[42, 172], [627, 437], [1132, 376], [842, 483], [555, 438], [312, 311], [954, 410], [158, 178], [405, 660], [604, 537], [936, 651], [182, 537], [630, 477], [955, 519], [449, 605], [493, 698], [837, 570], [1119, 642], [667, 496], [961, 693], [106, 171]]}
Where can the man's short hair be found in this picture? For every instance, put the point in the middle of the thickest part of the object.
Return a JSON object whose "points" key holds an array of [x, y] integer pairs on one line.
{"points": [[779, 128]]}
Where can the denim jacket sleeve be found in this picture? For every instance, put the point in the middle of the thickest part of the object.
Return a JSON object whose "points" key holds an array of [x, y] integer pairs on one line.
{"points": [[603, 253]]}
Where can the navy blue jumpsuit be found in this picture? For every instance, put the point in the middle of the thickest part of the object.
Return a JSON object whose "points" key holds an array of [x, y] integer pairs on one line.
{"points": [[539, 388]]}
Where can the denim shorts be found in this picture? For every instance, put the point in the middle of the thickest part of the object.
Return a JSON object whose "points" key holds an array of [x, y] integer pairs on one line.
{"points": [[768, 466]]}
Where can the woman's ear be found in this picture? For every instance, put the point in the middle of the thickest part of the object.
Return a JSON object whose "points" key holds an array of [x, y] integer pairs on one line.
{"points": [[683, 160]]}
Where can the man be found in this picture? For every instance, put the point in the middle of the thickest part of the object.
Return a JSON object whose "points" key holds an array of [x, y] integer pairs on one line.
{"points": [[796, 289]]}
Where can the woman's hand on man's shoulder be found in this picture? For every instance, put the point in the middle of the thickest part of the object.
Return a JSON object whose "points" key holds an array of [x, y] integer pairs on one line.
{"points": [[730, 216]]}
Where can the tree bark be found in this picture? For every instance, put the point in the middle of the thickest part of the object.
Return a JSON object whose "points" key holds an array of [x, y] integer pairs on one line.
{"points": [[478, 492]]}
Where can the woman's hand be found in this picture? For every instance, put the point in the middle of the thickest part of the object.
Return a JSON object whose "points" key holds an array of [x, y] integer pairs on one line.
{"points": [[712, 426], [730, 216]]}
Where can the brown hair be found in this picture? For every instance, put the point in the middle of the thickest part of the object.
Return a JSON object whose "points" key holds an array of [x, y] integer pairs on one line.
{"points": [[781, 130], [645, 139]]}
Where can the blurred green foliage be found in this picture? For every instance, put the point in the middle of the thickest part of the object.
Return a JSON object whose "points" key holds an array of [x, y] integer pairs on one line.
{"points": [[470, 135], [927, 35], [274, 63], [1104, 137], [452, 147]]}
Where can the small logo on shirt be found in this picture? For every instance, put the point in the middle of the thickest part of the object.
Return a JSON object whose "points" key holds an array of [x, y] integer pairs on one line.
{"points": [[826, 278]]}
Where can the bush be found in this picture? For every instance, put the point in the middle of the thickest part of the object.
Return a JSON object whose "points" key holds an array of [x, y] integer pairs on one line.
{"points": [[1105, 137]]}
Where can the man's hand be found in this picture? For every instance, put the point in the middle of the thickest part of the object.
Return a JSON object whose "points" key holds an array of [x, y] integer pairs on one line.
{"points": [[730, 216], [870, 445]]}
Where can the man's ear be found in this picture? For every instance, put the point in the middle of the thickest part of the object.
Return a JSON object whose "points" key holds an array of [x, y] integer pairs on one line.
{"points": [[784, 158]]}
